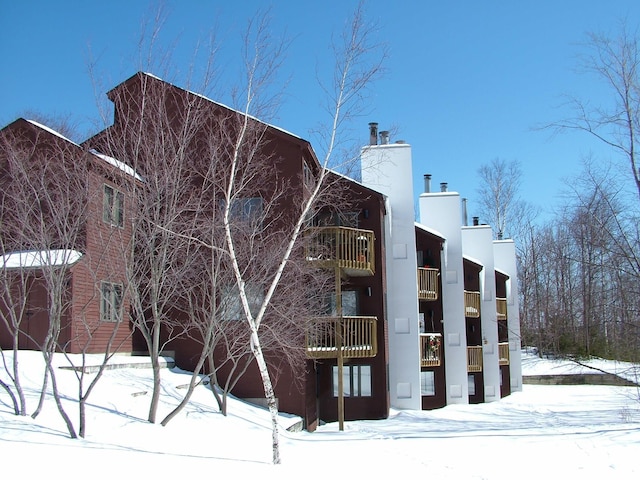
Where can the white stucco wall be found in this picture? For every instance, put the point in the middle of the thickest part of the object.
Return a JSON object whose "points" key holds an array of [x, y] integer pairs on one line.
{"points": [[388, 169], [505, 260], [442, 212], [477, 241]]}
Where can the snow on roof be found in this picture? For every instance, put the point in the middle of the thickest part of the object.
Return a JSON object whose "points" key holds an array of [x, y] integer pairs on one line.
{"points": [[473, 260], [117, 163], [224, 106], [51, 130], [430, 230], [502, 272], [39, 258], [244, 113]]}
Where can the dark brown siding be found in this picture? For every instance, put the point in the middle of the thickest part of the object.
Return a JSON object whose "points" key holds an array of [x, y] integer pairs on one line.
{"points": [[432, 311]]}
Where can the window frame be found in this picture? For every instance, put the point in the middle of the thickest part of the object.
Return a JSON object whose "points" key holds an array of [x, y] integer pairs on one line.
{"points": [[424, 391], [353, 384], [112, 206], [246, 209], [231, 309], [111, 302]]}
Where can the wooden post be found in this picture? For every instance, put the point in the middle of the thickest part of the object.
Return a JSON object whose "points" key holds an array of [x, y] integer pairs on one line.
{"points": [[339, 348]]}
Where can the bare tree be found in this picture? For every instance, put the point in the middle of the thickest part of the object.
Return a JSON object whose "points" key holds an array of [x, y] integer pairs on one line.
{"points": [[45, 204], [616, 62], [498, 196], [582, 272], [203, 192], [352, 75]]}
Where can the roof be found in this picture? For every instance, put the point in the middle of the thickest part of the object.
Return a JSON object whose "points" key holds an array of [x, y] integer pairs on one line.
{"points": [[501, 272], [473, 260], [432, 231], [39, 258], [117, 163], [113, 161], [155, 77], [51, 131]]}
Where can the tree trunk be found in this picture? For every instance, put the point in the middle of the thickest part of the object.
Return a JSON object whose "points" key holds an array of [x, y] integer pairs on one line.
{"points": [[268, 391]]}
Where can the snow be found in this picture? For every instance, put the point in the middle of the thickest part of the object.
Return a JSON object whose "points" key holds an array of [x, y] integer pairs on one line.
{"points": [[542, 432], [37, 259], [430, 230], [117, 163], [533, 365], [51, 131]]}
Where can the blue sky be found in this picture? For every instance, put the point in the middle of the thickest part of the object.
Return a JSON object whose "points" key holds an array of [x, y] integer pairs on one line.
{"points": [[467, 80]]}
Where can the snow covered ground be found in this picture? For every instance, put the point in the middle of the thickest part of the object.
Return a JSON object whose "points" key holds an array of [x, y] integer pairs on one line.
{"points": [[546, 432]]}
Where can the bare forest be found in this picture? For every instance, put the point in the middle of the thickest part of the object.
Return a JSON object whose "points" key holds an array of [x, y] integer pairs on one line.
{"points": [[580, 269]]}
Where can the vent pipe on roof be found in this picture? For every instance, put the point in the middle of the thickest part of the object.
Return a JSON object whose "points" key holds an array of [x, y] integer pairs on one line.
{"points": [[427, 183], [373, 133], [476, 221], [384, 137], [464, 212], [443, 186], [500, 235]]}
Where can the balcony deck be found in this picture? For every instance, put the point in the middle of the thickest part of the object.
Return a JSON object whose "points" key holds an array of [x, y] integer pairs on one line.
{"points": [[474, 359], [503, 353], [350, 249], [501, 308], [430, 349], [355, 337], [471, 304], [428, 283]]}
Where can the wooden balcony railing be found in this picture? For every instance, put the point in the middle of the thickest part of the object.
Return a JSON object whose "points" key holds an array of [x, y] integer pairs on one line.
{"points": [[430, 349], [351, 249], [355, 337], [501, 308], [474, 359], [472, 304], [503, 353], [427, 283]]}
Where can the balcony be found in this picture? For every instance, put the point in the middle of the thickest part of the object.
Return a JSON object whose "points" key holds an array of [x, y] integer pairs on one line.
{"points": [[501, 308], [474, 359], [503, 353], [427, 283], [471, 304], [355, 337], [350, 249], [430, 349]]}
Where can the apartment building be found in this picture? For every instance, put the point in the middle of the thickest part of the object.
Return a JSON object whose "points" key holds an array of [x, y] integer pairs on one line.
{"points": [[419, 315], [452, 311]]}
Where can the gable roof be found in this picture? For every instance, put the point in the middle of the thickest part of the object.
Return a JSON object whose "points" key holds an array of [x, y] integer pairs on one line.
{"points": [[39, 259], [140, 75], [116, 163], [430, 231]]}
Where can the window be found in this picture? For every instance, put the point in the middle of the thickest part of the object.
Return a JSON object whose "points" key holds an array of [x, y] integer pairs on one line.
{"points": [[307, 174], [349, 304], [246, 209], [348, 219], [337, 219], [231, 305], [356, 380], [111, 302], [427, 384], [113, 206], [472, 385]]}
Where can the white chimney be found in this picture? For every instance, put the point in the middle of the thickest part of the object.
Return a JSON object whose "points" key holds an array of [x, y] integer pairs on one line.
{"points": [[373, 133], [427, 183], [464, 212]]}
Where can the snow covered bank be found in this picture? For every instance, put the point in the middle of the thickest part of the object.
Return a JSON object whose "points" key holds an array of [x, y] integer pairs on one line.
{"points": [[584, 432]]}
